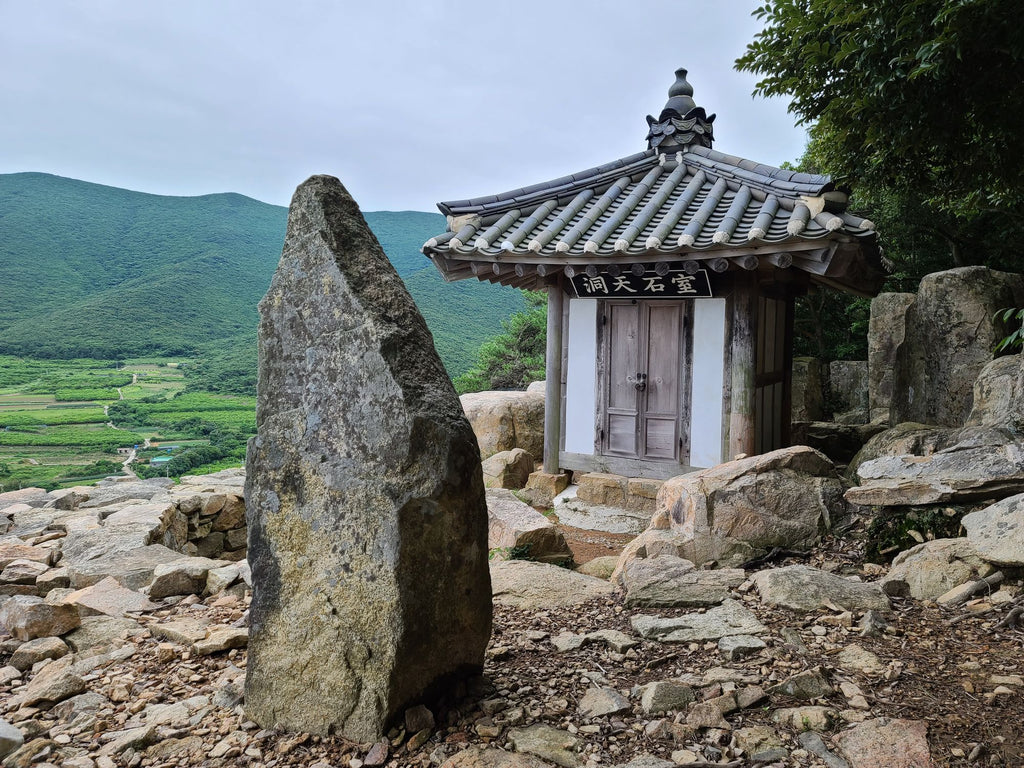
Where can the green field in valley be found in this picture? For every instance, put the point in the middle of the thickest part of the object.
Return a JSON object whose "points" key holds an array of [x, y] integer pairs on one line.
{"points": [[62, 422]]}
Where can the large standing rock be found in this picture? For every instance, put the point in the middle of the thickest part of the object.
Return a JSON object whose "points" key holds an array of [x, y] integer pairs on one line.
{"points": [[740, 509], [999, 395], [808, 390], [950, 335], [848, 383], [364, 495], [887, 331], [506, 420], [997, 532]]}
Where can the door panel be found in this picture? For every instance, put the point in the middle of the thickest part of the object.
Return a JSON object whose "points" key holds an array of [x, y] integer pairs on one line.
{"points": [[643, 406], [622, 434], [660, 400], [622, 363]]}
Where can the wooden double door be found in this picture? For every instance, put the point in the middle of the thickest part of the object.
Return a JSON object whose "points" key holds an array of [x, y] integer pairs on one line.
{"points": [[644, 407]]}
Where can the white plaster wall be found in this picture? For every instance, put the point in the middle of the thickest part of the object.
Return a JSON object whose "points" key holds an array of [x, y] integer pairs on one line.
{"points": [[708, 381], [581, 377]]}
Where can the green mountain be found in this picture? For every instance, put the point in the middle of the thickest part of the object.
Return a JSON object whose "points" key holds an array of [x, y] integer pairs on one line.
{"points": [[95, 271]]}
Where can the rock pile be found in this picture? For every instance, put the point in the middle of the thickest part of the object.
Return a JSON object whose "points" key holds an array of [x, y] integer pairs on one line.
{"points": [[806, 665]]}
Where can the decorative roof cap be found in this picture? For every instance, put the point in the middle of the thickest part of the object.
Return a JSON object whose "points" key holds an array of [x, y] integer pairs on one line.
{"points": [[681, 122]]}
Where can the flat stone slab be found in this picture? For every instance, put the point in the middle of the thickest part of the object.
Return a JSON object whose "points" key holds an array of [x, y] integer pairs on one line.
{"points": [[729, 618], [133, 569], [101, 631], [182, 631], [17, 550], [997, 532], [221, 639], [95, 542], [886, 742], [668, 582], [577, 513], [528, 585], [802, 588], [27, 617], [551, 744], [964, 472], [109, 598], [55, 682]]}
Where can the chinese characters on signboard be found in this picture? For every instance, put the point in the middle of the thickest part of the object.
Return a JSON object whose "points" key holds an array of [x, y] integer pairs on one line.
{"points": [[674, 284]]}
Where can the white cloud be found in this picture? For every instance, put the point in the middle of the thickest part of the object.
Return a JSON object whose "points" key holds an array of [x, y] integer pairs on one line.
{"points": [[407, 102]]}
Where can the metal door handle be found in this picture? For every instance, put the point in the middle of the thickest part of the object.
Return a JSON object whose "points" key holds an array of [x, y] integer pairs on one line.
{"points": [[641, 382]]}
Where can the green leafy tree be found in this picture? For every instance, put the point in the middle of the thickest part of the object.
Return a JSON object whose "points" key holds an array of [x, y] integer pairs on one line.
{"points": [[916, 105], [515, 357], [917, 94], [1014, 341]]}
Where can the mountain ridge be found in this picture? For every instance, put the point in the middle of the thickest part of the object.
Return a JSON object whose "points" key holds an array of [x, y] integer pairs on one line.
{"points": [[91, 270]]}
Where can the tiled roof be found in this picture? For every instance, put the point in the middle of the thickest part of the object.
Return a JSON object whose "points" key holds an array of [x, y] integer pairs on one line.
{"points": [[639, 205], [669, 203]]}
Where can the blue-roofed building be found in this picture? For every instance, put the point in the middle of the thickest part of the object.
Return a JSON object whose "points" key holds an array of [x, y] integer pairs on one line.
{"points": [[671, 276]]}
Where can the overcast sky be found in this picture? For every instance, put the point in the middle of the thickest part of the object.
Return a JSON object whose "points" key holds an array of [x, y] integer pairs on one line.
{"points": [[408, 102]]}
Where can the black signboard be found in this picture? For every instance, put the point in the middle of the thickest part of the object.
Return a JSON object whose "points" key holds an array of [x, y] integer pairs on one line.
{"points": [[674, 284]]}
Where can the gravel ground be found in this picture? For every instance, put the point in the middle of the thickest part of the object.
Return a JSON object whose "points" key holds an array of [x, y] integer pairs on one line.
{"points": [[963, 679]]}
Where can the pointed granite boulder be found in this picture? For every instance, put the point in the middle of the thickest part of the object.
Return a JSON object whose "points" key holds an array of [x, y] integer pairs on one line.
{"points": [[364, 494]]}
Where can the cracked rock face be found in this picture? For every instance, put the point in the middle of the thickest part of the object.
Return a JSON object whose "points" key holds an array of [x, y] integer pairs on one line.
{"points": [[364, 494]]}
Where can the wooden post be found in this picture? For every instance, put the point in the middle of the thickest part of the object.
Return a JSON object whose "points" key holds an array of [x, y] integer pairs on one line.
{"points": [[553, 372], [744, 360]]}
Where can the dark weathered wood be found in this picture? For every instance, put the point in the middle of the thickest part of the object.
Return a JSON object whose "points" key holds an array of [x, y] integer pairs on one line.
{"points": [[749, 263], [559, 260], [743, 342], [780, 260], [686, 386], [787, 371], [663, 367], [563, 384], [601, 375], [456, 270], [553, 371], [644, 403], [621, 409], [727, 378], [719, 265]]}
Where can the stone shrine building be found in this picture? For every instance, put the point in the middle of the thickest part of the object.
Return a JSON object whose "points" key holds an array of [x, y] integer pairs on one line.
{"points": [[671, 276]]}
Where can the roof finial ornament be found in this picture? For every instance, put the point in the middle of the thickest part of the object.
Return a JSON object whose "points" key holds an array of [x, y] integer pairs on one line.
{"points": [[681, 122]]}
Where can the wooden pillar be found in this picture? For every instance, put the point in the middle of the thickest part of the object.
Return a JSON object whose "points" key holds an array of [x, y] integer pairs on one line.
{"points": [[553, 372], [744, 360]]}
